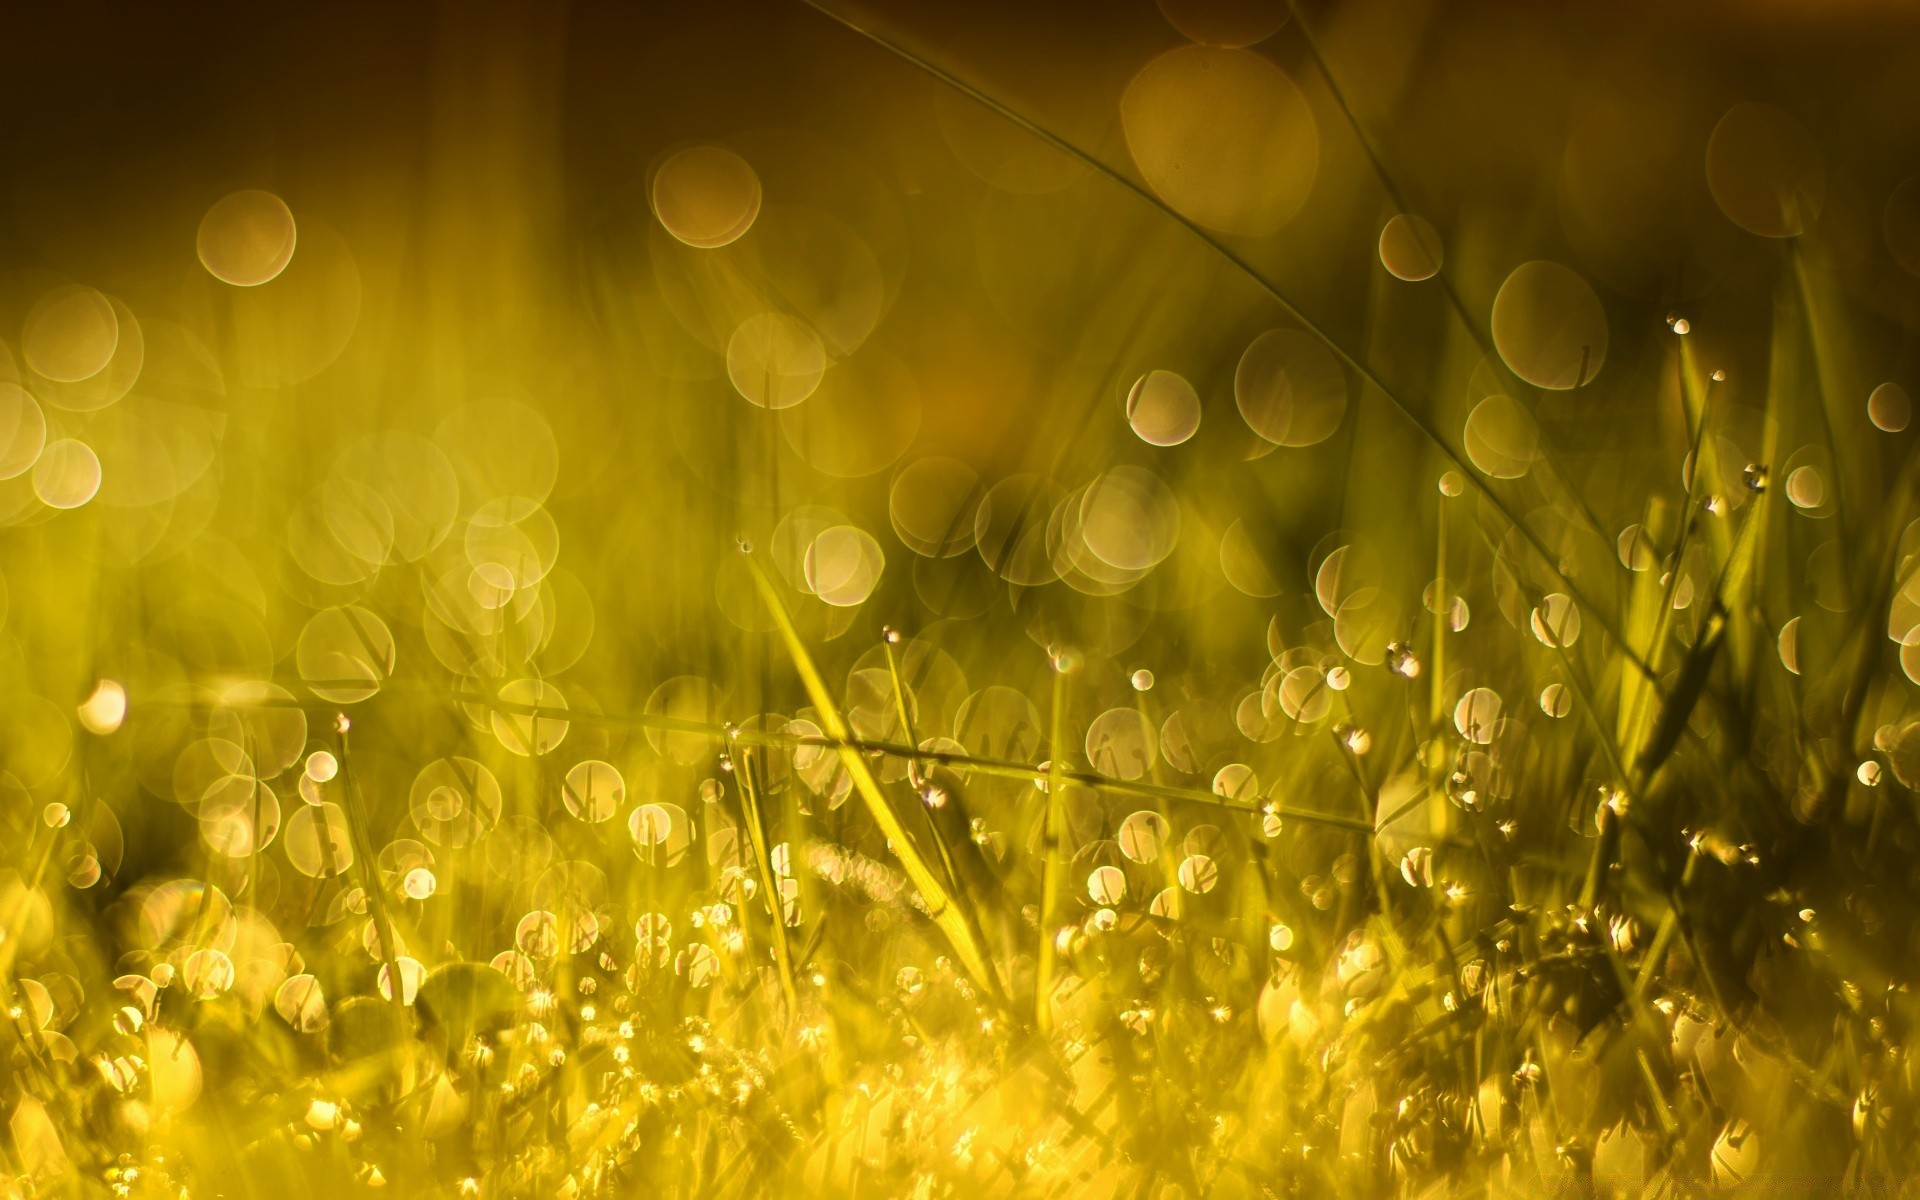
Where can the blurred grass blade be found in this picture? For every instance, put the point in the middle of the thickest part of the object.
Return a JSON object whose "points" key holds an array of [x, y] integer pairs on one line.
{"points": [[769, 880], [1698, 667], [940, 902], [1051, 867]]}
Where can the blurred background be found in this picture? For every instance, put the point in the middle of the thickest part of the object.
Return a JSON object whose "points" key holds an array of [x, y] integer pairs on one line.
{"points": [[1264, 373]]}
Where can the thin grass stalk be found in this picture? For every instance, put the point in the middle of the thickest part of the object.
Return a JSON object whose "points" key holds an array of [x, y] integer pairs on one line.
{"points": [[939, 902]]}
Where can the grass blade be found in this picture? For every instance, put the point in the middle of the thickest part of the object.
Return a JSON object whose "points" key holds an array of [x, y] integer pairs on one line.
{"points": [[939, 901]]}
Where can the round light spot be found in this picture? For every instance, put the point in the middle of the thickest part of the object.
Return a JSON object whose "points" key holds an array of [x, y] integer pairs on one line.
{"points": [[1501, 438], [593, 790], [344, 654], [1343, 575], [1142, 835], [1903, 754], [1449, 604], [1474, 716], [1224, 137], [1304, 695], [1549, 326], [706, 196], [1198, 873], [322, 766], [1410, 248], [1129, 519], [1106, 885], [1888, 407], [774, 360], [302, 1003], [512, 544], [699, 964], [317, 841], [1790, 645], [1242, 562], [1765, 171], [1236, 781], [106, 386], [419, 883], [527, 722], [1806, 487], [104, 709], [1366, 624], [843, 565], [454, 801], [1163, 409], [1556, 622], [933, 505], [1635, 548], [247, 238], [660, 833], [1121, 744], [1810, 481], [340, 534], [70, 334], [1290, 389], [67, 474], [1011, 528]]}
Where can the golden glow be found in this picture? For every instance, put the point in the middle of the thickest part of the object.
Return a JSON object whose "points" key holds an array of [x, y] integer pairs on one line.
{"points": [[1217, 598]]}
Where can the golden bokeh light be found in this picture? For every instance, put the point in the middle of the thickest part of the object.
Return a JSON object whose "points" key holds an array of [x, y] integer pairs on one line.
{"points": [[1214, 598], [1549, 326], [1410, 248], [1224, 137], [1766, 171], [70, 334], [706, 196], [248, 238]]}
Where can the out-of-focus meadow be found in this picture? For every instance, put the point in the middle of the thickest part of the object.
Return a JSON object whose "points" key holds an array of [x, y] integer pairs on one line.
{"points": [[1150, 599]]}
